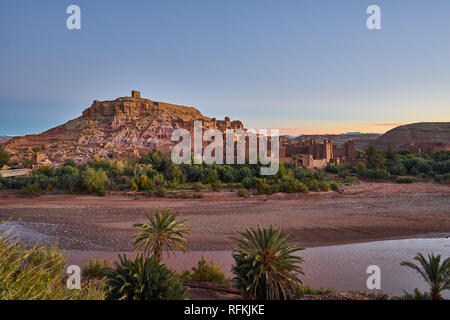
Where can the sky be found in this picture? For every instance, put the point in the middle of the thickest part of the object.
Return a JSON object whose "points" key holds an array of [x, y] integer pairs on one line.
{"points": [[303, 66]]}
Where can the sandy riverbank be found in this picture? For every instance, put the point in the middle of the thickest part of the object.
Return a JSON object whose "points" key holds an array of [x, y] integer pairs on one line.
{"points": [[363, 212]]}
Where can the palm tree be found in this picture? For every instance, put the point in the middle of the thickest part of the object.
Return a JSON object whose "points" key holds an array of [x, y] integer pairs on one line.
{"points": [[265, 264], [435, 274], [161, 232]]}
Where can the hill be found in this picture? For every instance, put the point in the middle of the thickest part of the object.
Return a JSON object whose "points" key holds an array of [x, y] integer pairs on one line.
{"points": [[416, 134], [124, 127]]}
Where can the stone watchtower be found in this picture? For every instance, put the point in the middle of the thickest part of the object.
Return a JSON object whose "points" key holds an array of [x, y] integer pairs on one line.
{"points": [[135, 94]]}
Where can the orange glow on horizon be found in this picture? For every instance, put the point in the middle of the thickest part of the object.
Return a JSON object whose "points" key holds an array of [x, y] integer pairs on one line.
{"points": [[316, 130]]}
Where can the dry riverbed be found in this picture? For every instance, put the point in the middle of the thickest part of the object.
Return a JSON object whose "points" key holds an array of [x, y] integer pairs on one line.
{"points": [[359, 213]]}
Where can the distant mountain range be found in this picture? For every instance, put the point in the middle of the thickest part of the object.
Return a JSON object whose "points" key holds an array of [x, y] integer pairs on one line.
{"points": [[358, 133], [330, 134]]}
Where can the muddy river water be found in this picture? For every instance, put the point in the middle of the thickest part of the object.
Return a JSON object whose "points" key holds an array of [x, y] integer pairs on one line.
{"points": [[342, 267]]}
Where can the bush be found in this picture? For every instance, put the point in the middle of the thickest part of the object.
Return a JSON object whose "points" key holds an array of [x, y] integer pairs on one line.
{"points": [[242, 192], [28, 163], [4, 157], [262, 187], [397, 168], [405, 180], [349, 180], [416, 166], [443, 178], [197, 196], [331, 168], [161, 192], [207, 272], [44, 170], [324, 186], [343, 173], [216, 185], [31, 190], [70, 163], [378, 173], [143, 279], [334, 186], [416, 295], [248, 183], [292, 185], [142, 183], [95, 269], [94, 181], [38, 273], [197, 186], [312, 184], [307, 290]]}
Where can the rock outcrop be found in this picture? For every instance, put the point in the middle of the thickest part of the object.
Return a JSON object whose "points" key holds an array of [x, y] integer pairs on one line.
{"points": [[125, 127]]}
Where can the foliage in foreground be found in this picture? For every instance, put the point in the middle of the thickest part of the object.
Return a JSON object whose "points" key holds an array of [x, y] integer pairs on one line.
{"points": [[265, 265], [416, 295], [143, 279], [205, 272], [38, 273], [95, 268], [435, 273], [161, 232]]}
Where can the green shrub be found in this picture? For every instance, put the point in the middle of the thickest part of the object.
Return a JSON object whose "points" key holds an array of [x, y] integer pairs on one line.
{"points": [[262, 187], [242, 192], [4, 157], [216, 185], [209, 176], [416, 295], [312, 184], [70, 163], [248, 183], [443, 178], [334, 186], [158, 180], [397, 168], [343, 173], [307, 290], [95, 268], [143, 279], [331, 168], [94, 181], [405, 180], [184, 195], [377, 173], [197, 195], [161, 192], [291, 185], [349, 180], [44, 170], [31, 190], [142, 183], [324, 186], [28, 163], [207, 272], [197, 186], [38, 273]]}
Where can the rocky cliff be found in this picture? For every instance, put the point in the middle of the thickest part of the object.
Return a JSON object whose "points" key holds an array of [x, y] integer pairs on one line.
{"points": [[127, 126]]}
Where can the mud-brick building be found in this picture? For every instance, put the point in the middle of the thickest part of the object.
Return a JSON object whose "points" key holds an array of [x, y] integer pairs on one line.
{"points": [[312, 154]]}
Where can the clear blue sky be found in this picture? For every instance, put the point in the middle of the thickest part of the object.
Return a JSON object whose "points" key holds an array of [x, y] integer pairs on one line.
{"points": [[307, 65]]}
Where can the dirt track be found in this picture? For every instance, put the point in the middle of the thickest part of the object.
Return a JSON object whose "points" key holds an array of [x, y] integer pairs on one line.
{"points": [[363, 212]]}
